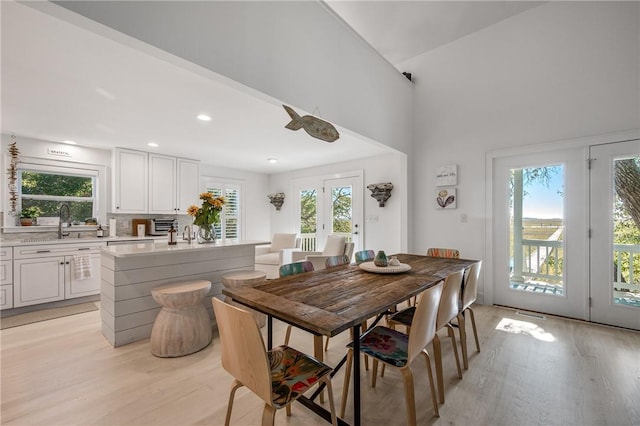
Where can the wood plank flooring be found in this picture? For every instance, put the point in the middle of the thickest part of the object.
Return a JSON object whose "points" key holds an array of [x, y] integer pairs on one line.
{"points": [[530, 372]]}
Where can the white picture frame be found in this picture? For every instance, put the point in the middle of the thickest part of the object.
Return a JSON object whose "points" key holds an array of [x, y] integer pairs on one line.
{"points": [[446, 198], [447, 175]]}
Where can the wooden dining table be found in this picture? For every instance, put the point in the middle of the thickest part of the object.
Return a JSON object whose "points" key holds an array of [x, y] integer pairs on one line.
{"points": [[330, 301]]}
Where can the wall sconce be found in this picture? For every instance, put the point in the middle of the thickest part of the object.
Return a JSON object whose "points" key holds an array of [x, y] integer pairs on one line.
{"points": [[276, 199], [381, 192]]}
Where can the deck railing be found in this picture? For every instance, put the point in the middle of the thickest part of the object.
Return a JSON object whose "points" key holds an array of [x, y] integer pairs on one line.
{"points": [[309, 242], [625, 253]]}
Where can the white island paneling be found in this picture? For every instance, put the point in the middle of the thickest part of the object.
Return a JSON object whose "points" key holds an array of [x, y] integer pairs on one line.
{"points": [[129, 272]]}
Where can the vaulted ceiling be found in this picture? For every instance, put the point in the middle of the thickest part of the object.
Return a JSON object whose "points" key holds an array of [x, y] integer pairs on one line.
{"points": [[62, 82]]}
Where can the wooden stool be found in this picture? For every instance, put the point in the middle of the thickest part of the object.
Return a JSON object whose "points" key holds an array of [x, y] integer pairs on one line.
{"points": [[183, 326], [248, 278]]}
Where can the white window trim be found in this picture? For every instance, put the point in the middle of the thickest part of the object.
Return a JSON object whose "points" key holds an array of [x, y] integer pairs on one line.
{"points": [[33, 163], [209, 181]]}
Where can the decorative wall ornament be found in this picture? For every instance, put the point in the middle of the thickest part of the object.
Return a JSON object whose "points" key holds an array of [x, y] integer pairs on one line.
{"points": [[447, 175], [314, 126], [276, 199], [381, 192], [12, 171], [446, 198]]}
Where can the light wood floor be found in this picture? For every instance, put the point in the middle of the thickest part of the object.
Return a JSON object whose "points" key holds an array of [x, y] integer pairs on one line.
{"points": [[530, 372]]}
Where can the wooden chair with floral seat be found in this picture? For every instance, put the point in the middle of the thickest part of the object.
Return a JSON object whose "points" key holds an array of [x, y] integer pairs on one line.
{"points": [[443, 252], [469, 296], [448, 310], [278, 376], [294, 268], [364, 256], [332, 262], [399, 350]]}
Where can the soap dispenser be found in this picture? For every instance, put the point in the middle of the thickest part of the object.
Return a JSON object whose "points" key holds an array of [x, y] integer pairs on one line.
{"points": [[100, 232], [173, 236]]}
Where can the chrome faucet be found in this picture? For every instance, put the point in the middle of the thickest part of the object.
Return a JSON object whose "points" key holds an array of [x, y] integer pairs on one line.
{"points": [[61, 234], [189, 231]]}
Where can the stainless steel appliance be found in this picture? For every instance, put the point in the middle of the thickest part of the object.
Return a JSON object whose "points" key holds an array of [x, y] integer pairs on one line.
{"points": [[160, 226]]}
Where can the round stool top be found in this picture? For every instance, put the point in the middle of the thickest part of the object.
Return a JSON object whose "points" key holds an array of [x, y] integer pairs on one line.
{"points": [[237, 278], [182, 294]]}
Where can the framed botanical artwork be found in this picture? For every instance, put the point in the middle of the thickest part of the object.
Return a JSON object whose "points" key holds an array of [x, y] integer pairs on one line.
{"points": [[447, 175], [446, 198]]}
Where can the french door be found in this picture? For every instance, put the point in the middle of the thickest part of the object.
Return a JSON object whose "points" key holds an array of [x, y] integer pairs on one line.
{"points": [[539, 238], [329, 206], [615, 234]]}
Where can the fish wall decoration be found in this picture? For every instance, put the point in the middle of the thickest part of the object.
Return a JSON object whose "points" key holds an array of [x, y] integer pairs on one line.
{"points": [[314, 126]]}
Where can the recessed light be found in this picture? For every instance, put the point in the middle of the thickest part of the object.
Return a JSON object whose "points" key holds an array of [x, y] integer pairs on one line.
{"points": [[272, 160], [70, 142], [204, 117], [153, 144]]}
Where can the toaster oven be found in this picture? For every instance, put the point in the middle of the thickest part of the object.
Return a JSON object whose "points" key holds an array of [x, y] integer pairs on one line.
{"points": [[160, 226]]}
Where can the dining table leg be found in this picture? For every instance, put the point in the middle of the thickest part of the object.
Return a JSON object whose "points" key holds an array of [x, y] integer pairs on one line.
{"points": [[318, 353], [356, 375]]}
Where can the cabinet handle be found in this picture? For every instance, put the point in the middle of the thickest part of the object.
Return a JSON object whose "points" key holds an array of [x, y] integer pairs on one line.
{"points": [[43, 251], [62, 263], [85, 248], [67, 263]]}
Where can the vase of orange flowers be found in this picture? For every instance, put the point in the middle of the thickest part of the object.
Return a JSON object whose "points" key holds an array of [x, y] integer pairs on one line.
{"points": [[207, 216]]}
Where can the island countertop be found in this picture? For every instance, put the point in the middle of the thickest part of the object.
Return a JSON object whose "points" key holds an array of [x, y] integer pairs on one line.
{"points": [[162, 247]]}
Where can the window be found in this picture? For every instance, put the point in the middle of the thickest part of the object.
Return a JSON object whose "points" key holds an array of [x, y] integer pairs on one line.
{"points": [[231, 213], [47, 187]]}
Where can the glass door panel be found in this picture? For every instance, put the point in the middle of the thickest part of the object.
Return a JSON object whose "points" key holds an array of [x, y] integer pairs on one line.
{"points": [[615, 226]]}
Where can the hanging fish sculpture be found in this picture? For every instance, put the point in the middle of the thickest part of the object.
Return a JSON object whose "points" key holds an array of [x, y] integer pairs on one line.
{"points": [[314, 126]]}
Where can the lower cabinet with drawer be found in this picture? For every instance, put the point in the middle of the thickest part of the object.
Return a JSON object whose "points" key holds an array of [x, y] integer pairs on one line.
{"points": [[6, 278], [56, 272]]}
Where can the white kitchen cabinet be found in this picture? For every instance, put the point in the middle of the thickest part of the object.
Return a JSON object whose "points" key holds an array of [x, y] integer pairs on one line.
{"points": [[131, 181], [47, 273], [162, 184], [188, 184], [170, 184], [6, 278]]}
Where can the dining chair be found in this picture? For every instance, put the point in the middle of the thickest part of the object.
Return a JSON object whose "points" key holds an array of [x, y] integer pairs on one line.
{"points": [[278, 377], [443, 252], [333, 261], [364, 256], [447, 311], [398, 350], [469, 296], [294, 268]]}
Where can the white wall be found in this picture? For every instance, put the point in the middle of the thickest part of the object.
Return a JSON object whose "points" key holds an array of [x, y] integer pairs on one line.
{"points": [[559, 71], [562, 70], [389, 233], [299, 52]]}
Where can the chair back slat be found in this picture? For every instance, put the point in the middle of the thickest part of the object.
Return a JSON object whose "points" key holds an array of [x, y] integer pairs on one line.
{"points": [[295, 268], [449, 303], [332, 261], [470, 291], [365, 256], [423, 326], [443, 252], [242, 349]]}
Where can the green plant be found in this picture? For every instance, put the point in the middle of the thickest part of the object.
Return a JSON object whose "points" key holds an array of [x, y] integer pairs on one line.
{"points": [[30, 212]]}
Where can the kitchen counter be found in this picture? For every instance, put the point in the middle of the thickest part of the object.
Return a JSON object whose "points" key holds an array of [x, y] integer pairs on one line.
{"points": [[162, 247], [40, 241], [129, 273]]}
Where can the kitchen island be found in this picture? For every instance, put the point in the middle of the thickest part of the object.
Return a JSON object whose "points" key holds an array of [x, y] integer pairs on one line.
{"points": [[129, 272]]}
